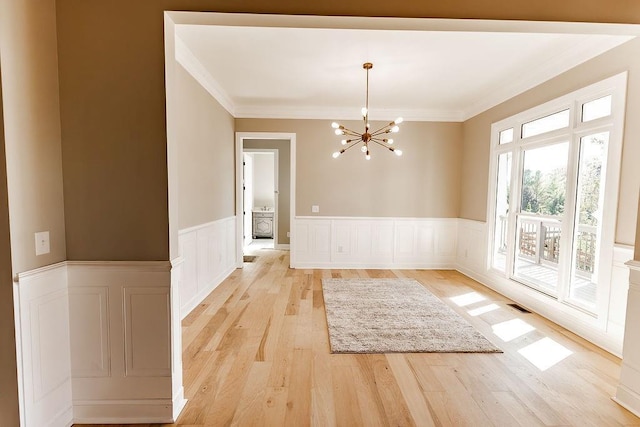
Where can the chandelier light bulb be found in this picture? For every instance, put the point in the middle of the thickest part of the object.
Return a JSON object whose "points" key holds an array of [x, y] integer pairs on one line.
{"points": [[395, 129], [339, 132], [335, 125], [364, 149], [368, 156], [398, 120], [336, 154], [398, 152], [364, 111], [389, 141], [343, 142]]}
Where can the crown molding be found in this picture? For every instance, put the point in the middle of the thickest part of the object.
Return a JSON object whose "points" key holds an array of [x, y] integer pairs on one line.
{"points": [[186, 58], [558, 64], [342, 113]]}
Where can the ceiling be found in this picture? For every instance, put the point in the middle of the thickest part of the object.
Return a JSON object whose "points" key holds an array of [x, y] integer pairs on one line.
{"points": [[289, 71]]}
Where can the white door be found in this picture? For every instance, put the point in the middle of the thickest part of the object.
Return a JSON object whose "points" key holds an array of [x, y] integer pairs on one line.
{"points": [[247, 206]]}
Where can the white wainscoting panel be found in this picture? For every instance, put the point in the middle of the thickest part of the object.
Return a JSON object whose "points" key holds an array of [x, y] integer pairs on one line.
{"points": [[628, 392], [329, 242], [209, 254], [120, 341], [89, 320], [472, 245], [42, 319]]}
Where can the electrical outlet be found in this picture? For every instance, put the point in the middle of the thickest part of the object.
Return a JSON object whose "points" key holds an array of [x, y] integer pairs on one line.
{"points": [[42, 243], [315, 208], [288, 234]]}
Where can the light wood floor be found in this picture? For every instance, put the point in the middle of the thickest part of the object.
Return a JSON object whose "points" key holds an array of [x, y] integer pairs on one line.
{"points": [[256, 352]]}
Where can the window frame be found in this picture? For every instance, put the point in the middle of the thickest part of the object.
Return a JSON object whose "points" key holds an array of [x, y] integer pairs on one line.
{"points": [[577, 129]]}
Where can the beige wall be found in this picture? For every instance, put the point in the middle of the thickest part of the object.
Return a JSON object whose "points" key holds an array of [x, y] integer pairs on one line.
{"points": [[9, 412], [112, 101], [477, 131], [423, 183], [284, 179], [205, 146], [32, 129]]}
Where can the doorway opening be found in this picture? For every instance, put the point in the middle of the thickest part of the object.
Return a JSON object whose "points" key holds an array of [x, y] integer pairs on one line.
{"points": [[260, 199], [265, 192]]}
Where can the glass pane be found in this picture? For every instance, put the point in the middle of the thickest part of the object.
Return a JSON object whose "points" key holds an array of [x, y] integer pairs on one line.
{"points": [[506, 136], [544, 182], [538, 252], [546, 124], [589, 200], [596, 109], [502, 211]]}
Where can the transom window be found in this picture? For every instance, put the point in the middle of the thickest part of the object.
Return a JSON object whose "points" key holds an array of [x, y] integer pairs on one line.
{"points": [[553, 168]]}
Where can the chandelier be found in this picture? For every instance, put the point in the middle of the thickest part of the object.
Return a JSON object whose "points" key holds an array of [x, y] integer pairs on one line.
{"points": [[368, 136]]}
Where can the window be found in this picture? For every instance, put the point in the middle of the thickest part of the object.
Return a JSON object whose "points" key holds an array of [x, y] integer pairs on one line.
{"points": [[550, 178], [546, 124]]}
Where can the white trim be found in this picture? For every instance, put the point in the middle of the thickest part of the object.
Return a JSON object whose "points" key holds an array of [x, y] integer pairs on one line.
{"points": [[301, 113], [240, 137], [628, 399], [126, 411], [32, 274], [633, 265], [142, 266], [192, 64], [283, 247]]}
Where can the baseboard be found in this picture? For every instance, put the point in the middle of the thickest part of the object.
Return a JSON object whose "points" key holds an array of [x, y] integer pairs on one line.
{"points": [[179, 403], [143, 411], [283, 247], [628, 399], [64, 418], [200, 296], [373, 266]]}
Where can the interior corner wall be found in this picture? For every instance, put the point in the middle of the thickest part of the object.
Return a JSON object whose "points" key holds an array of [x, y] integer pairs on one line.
{"points": [[204, 133], [32, 130], [284, 181], [9, 407], [477, 134], [423, 183]]}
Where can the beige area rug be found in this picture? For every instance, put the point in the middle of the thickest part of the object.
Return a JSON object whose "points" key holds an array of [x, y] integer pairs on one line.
{"points": [[395, 316]]}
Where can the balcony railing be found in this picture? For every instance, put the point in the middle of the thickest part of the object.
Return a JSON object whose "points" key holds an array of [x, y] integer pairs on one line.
{"points": [[539, 242]]}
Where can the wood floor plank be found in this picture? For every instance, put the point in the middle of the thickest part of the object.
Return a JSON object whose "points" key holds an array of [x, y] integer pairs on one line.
{"points": [[256, 352]]}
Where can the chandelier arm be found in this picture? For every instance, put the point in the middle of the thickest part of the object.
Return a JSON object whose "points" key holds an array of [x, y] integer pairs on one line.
{"points": [[384, 145], [379, 141], [383, 129], [350, 132], [351, 146]]}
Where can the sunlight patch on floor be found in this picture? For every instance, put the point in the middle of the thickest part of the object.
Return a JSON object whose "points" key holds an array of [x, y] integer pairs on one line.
{"points": [[545, 353], [484, 309], [512, 329], [467, 299]]}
